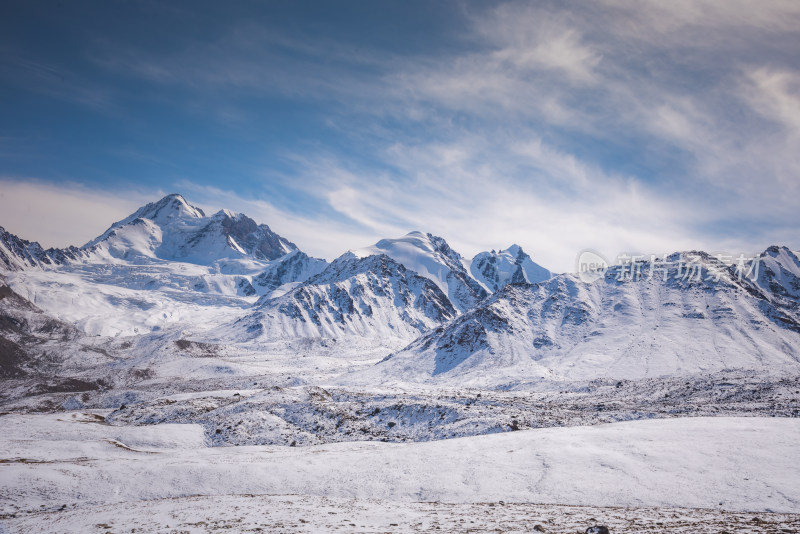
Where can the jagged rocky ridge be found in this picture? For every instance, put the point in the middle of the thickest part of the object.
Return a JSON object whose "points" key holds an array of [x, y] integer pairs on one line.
{"points": [[146, 250], [342, 299], [368, 296], [17, 253], [778, 274], [169, 229], [295, 266]]}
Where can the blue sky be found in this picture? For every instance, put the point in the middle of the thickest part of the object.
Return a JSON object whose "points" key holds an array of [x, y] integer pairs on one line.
{"points": [[619, 126]]}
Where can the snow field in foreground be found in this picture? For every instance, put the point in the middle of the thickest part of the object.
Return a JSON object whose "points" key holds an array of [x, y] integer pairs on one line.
{"points": [[737, 464]]}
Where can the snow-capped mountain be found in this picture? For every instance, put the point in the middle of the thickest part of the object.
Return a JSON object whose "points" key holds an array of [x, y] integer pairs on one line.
{"points": [[17, 253], [164, 266], [396, 288], [430, 256], [173, 230], [621, 326], [169, 270], [371, 296], [175, 331], [511, 266]]}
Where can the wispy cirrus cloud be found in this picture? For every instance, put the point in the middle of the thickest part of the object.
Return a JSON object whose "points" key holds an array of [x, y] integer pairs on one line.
{"points": [[548, 201], [775, 94], [650, 126]]}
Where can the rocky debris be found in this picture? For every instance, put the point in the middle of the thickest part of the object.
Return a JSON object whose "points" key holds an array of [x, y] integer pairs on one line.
{"points": [[311, 415], [281, 513]]}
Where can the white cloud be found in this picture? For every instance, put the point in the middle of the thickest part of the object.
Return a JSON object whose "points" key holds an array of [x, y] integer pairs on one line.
{"points": [[65, 214], [775, 94], [663, 79], [483, 195], [531, 40], [516, 137], [656, 20]]}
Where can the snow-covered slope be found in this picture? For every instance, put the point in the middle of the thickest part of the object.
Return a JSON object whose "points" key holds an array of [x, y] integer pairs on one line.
{"points": [[731, 463], [123, 300], [430, 256], [371, 296], [511, 266], [617, 327], [30, 340], [778, 270]]}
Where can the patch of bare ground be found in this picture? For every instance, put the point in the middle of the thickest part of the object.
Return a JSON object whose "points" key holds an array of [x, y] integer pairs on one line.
{"points": [[296, 513]]}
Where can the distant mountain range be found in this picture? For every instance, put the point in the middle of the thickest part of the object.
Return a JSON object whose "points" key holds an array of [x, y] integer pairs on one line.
{"points": [[497, 319], [627, 328]]}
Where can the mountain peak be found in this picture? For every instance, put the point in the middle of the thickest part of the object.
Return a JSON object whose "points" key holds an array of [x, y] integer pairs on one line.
{"points": [[362, 295], [17, 253], [170, 207], [228, 214], [414, 240], [515, 250], [496, 269], [778, 250], [173, 229], [431, 257]]}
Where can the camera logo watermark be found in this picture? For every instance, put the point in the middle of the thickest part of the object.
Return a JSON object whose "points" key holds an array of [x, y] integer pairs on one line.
{"points": [[591, 266]]}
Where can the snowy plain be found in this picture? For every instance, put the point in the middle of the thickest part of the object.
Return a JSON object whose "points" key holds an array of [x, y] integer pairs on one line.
{"points": [[71, 461]]}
